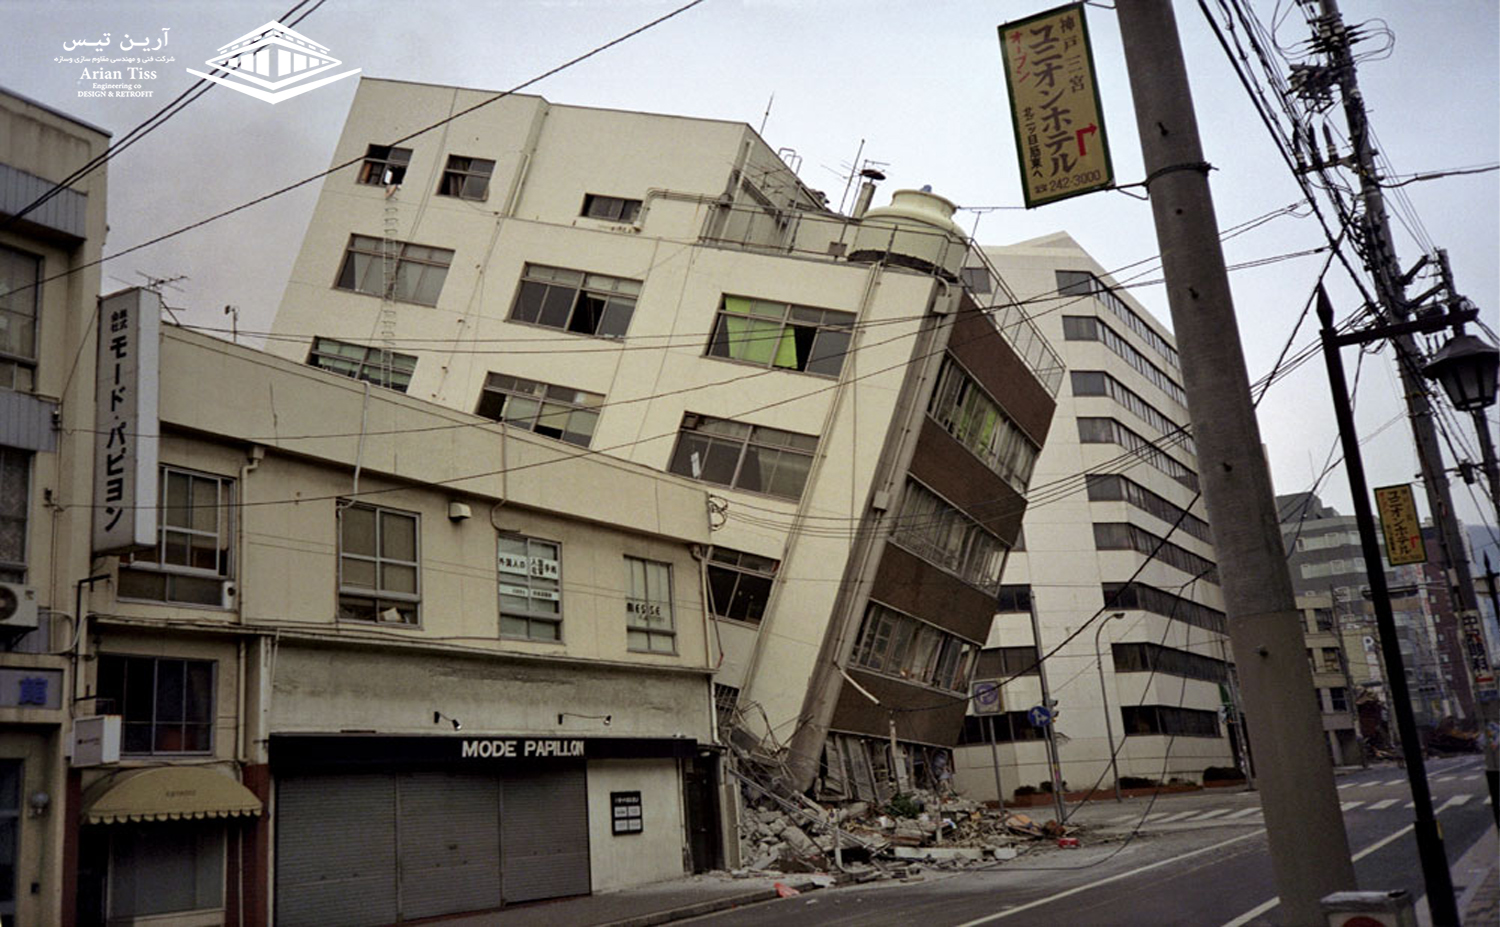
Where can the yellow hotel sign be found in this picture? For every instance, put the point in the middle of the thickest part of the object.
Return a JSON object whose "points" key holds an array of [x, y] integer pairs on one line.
{"points": [[1399, 523], [1054, 104]]}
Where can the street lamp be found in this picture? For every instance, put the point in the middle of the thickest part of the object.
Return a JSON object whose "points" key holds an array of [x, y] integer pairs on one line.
{"points": [[1109, 730], [1466, 367]]}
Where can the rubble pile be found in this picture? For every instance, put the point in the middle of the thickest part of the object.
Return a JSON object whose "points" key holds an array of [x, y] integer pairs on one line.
{"points": [[778, 835]]}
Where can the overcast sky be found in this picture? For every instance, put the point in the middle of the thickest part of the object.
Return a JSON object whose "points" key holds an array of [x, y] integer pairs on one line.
{"points": [[919, 84]]}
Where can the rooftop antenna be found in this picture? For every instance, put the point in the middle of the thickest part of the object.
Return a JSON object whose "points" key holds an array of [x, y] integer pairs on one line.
{"points": [[157, 284], [849, 178], [767, 114]]}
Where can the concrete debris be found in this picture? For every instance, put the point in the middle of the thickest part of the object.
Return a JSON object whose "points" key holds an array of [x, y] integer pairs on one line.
{"points": [[800, 836]]}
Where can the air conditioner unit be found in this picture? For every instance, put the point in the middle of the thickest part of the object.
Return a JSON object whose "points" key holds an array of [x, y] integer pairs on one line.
{"points": [[18, 608], [391, 616]]}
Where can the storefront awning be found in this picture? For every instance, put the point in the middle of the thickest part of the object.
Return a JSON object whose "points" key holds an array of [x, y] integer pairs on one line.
{"points": [[169, 793]]}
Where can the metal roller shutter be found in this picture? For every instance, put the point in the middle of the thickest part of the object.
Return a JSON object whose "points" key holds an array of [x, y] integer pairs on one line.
{"points": [[544, 827], [449, 843], [336, 851]]}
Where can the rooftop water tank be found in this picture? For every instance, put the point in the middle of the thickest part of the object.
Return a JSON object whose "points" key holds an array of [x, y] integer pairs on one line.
{"points": [[916, 230]]}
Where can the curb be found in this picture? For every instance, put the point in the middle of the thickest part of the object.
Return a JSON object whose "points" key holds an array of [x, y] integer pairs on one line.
{"points": [[704, 907]]}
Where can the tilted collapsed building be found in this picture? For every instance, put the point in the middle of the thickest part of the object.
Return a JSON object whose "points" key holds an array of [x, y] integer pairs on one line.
{"points": [[678, 298]]}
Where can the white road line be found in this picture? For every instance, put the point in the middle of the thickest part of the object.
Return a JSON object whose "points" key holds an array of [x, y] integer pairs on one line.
{"points": [[1453, 802], [1265, 906], [1409, 805], [1210, 814], [1122, 819], [1243, 814], [1349, 805], [1175, 816], [1383, 804], [1348, 785], [1471, 778], [1372, 784], [1445, 778], [1396, 782], [1105, 881]]}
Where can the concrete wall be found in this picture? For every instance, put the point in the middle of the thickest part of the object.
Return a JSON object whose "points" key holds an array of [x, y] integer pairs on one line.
{"points": [[657, 852]]}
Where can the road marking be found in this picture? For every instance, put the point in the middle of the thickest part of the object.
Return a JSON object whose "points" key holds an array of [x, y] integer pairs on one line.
{"points": [[1444, 778], [1265, 906], [1383, 804], [1396, 782], [1114, 878], [1211, 814], [1349, 805], [1122, 819], [1241, 814], [1409, 805], [1471, 778], [1453, 802], [1371, 784], [1348, 785], [1176, 816]]}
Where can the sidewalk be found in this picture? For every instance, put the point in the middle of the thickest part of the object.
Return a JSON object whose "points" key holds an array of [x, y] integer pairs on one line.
{"points": [[1476, 876], [641, 905]]}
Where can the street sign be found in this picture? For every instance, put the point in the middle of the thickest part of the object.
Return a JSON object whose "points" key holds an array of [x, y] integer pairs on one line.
{"points": [[1054, 106], [984, 696], [1039, 716], [1400, 525]]}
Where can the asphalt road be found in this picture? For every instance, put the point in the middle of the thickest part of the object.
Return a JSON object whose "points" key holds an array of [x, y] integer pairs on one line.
{"points": [[1199, 859]]}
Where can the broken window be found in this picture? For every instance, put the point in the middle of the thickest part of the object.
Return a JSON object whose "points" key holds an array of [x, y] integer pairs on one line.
{"points": [[575, 301], [739, 584], [384, 166], [749, 457], [781, 335], [466, 178], [559, 412], [394, 269]]}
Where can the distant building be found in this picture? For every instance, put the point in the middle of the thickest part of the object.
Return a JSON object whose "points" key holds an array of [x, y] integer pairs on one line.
{"points": [[1334, 676], [665, 291], [1114, 524]]}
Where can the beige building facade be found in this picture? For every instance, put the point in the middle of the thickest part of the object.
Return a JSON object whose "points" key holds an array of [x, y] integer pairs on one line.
{"points": [[677, 298]]}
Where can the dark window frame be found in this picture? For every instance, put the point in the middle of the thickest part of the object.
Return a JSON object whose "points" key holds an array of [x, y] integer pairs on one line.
{"points": [[577, 301], [15, 512], [539, 578], [18, 362], [125, 700], [185, 583], [648, 608], [414, 266], [384, 166], [378, 600], [792, 337], [466, 178], [556, 408], [610, 208], [735, 581], [389, 369], [713, 439]]}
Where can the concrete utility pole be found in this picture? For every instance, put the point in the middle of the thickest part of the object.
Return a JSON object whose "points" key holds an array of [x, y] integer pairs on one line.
{"points": [[1309, 850], [1390, 286]]}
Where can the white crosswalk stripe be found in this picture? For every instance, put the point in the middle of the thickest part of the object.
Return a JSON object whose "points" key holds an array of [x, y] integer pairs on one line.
{"points": [[1383, 804], [1396, 782], [1454, 802], [1243, 814], [1123, 819], [1471, 778], [1368, 785], [1348, 785], [1210, 814], [1445, 778], [1349, 805], [1175, 816]]}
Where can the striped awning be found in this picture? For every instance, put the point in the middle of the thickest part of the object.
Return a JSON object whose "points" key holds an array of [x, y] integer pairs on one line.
{"points": [[169, 793]]}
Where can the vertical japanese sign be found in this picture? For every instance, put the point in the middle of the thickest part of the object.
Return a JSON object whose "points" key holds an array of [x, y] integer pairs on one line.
{"points": [[1400, 525], [127, 430], [1054, 104]]}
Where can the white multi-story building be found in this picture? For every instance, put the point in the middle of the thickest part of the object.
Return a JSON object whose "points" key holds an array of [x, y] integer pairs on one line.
{"points": [[1114, 525], [666, 291]]}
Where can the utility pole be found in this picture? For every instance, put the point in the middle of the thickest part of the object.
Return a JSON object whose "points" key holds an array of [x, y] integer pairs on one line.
{"points": [[1305, 829], [1390, 287]]}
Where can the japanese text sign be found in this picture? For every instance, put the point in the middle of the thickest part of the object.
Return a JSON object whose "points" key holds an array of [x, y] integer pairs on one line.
{"points": [[126, 429], [1054, 104], [1399, 523]]}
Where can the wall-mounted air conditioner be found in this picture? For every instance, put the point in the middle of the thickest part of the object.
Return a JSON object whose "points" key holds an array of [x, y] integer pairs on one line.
{"points": [[18, 607]]}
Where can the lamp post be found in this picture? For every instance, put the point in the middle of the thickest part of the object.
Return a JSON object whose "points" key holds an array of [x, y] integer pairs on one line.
{"points": [[1467, 368], [1439, 882], [1109, 730]]}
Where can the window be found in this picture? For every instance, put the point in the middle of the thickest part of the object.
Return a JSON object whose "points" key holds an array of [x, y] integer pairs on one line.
{"points": [[726, 698], [1323, 620], [1149, 599], [1330, 657], [1338, 698], [165, 867], [610, 208], [1088, 328], [530, 588], [739, 584], [1099, 383], [899, 645], [378, 576], [555, 411], [1154, 658], [396, 270], [781, 335], [167, 705], [1013, 598], [1105, 487], [384, 166], [1009, 727], [977, 279], [749, 457], [10, 833], [191, 561], [968, 413], [15, 499], [1083, 283], [1125, 536], [575, 301], [649, 627], [1005, 662], [1168, 719], [20, 297], [466, 178], [381, 367], [1109, 431], [938, 532]]}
